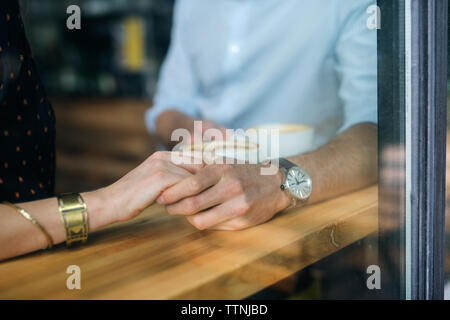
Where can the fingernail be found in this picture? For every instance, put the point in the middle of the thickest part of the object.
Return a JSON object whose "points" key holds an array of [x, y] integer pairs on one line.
{"points": [[160, 200]]}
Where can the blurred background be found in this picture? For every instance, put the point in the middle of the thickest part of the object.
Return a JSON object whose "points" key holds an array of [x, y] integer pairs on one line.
{"points": [[100, 80]]}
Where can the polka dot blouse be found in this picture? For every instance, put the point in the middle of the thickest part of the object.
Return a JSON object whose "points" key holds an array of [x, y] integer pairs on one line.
{"points": [[27, 121]]}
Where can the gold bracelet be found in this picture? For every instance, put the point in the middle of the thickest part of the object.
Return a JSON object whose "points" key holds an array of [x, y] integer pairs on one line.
{"points": [[28, 216], [73, 211]]}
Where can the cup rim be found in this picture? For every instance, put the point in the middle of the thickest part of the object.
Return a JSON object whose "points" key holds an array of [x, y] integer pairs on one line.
{"points": [[296, 127], [220, 144]]}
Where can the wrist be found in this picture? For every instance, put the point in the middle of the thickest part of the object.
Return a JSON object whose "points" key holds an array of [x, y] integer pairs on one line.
{"points": [[99, 214], [170, 120]]}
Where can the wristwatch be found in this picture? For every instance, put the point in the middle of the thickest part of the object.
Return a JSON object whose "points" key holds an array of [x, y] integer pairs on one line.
{"points": [[297, 182]]}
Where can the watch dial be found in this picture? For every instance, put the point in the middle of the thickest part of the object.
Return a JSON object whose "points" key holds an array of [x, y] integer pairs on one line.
{"points": [[299, 183]]}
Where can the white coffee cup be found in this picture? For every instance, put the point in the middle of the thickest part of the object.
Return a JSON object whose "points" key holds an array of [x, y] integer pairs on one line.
{"points": [[283, 140]]}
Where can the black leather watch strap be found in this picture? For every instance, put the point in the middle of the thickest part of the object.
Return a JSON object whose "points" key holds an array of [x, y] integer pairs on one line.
{"points": [[286, 163]]}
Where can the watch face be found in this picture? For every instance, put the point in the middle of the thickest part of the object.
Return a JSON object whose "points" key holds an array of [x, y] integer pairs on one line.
{"points": [[299, 183]]}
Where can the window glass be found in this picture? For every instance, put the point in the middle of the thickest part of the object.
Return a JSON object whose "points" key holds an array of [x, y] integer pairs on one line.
{"points": [[328, 75]]}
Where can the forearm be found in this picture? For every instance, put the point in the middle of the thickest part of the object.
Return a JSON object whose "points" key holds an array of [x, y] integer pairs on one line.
{"points": [[348, 162], [19, 236], [120, 201], [170, 120]]}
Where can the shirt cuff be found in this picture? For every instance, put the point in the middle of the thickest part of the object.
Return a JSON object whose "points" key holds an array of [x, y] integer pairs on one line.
{"points": [[371, 117]]}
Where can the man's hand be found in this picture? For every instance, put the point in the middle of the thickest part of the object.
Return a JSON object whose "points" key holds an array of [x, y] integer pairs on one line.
{"points": [[226, 197], [231, 197], [171, 120]]}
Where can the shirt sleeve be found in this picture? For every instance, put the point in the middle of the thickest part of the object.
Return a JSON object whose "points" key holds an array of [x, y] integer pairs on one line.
{"points": [[177, 83], [356, 54]]}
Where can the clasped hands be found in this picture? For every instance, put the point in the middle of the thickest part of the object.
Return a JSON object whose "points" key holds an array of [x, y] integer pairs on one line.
{"points": [[226, 196], [215, 196]]}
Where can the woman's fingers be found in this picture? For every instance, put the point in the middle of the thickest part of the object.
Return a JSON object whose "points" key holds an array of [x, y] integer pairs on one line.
{"points": [[166, 176], [207, 199], [167, 180], [190, 186], [174, 169], [191, 164], [145, 194], [217, 216], [188, 161], [140, 187]]}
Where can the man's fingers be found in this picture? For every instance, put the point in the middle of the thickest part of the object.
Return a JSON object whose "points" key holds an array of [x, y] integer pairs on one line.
{"points": [[190, 186], [215, 216], [239, 223], [205, 200]]}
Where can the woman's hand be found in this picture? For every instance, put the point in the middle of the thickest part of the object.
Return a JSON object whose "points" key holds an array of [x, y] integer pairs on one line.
{"points": [[137, 190], [120, 201]]}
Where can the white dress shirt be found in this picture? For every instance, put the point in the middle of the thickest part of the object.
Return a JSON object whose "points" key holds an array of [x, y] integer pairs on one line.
{"points": [[243, 63]]}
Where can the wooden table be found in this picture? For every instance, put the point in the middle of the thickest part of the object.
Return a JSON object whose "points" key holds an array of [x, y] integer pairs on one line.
{"points": [[158, 256]]}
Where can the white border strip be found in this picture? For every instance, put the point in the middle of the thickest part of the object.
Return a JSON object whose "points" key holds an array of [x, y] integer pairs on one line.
{"points": [[408, 154]]}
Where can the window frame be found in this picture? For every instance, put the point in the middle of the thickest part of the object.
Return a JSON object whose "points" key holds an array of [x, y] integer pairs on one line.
{"points": [[412, 91], [427, 130]]}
